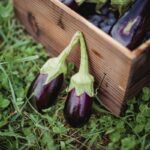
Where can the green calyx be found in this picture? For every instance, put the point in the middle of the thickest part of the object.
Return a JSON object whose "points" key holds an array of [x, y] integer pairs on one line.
{"points": [[82, 84], [56, 66], [83, 81], [53, 68], [99, 5], [120, 5]]}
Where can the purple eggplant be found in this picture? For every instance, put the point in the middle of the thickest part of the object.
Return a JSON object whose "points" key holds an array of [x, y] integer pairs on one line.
{"points": [[105, 20], [147, 36], [133, 25], [78, 105], [44, 95], [78, 109], [45, 88], [70, 3]]}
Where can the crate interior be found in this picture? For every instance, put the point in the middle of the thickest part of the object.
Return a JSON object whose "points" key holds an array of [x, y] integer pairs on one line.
{"points": [[135, 49]]}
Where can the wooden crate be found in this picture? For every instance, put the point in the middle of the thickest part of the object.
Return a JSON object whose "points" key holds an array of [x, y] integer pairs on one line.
{"points": [[53, 24]]}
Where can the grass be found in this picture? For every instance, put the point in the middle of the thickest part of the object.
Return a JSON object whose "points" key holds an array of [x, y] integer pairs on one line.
{"points": [[23, 128]]}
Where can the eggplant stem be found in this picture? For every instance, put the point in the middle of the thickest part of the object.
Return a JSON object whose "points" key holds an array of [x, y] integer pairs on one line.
{"points": [[56, 66], [84, 58], [74, 41], [82, 81]]}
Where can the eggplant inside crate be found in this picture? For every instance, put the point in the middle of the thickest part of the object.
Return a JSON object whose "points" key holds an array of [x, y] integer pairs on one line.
{"points": [[126, 72]]}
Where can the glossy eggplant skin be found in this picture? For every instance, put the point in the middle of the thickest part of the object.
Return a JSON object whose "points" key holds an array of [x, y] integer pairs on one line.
{"points": [[133, 25], [43, 95], [77, 110], [147, 36]]}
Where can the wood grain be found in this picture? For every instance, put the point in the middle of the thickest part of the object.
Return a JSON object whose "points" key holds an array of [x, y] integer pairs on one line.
{"points": [[140, 71], [53, 24]]}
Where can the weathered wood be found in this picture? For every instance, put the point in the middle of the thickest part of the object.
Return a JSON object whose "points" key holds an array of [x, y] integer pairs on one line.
{"points": [[140, 71], [53, 24]]}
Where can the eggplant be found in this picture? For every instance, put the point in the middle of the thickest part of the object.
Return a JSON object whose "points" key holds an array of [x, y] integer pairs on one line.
{"points": [[78, 106], [133, 25], [147, 36], [70, 3], [105, 20], [78, 109], [44, 95], [45, 88]]}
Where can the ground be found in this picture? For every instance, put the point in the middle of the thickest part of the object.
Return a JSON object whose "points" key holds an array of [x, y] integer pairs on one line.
{"points": [[23, 128]]}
